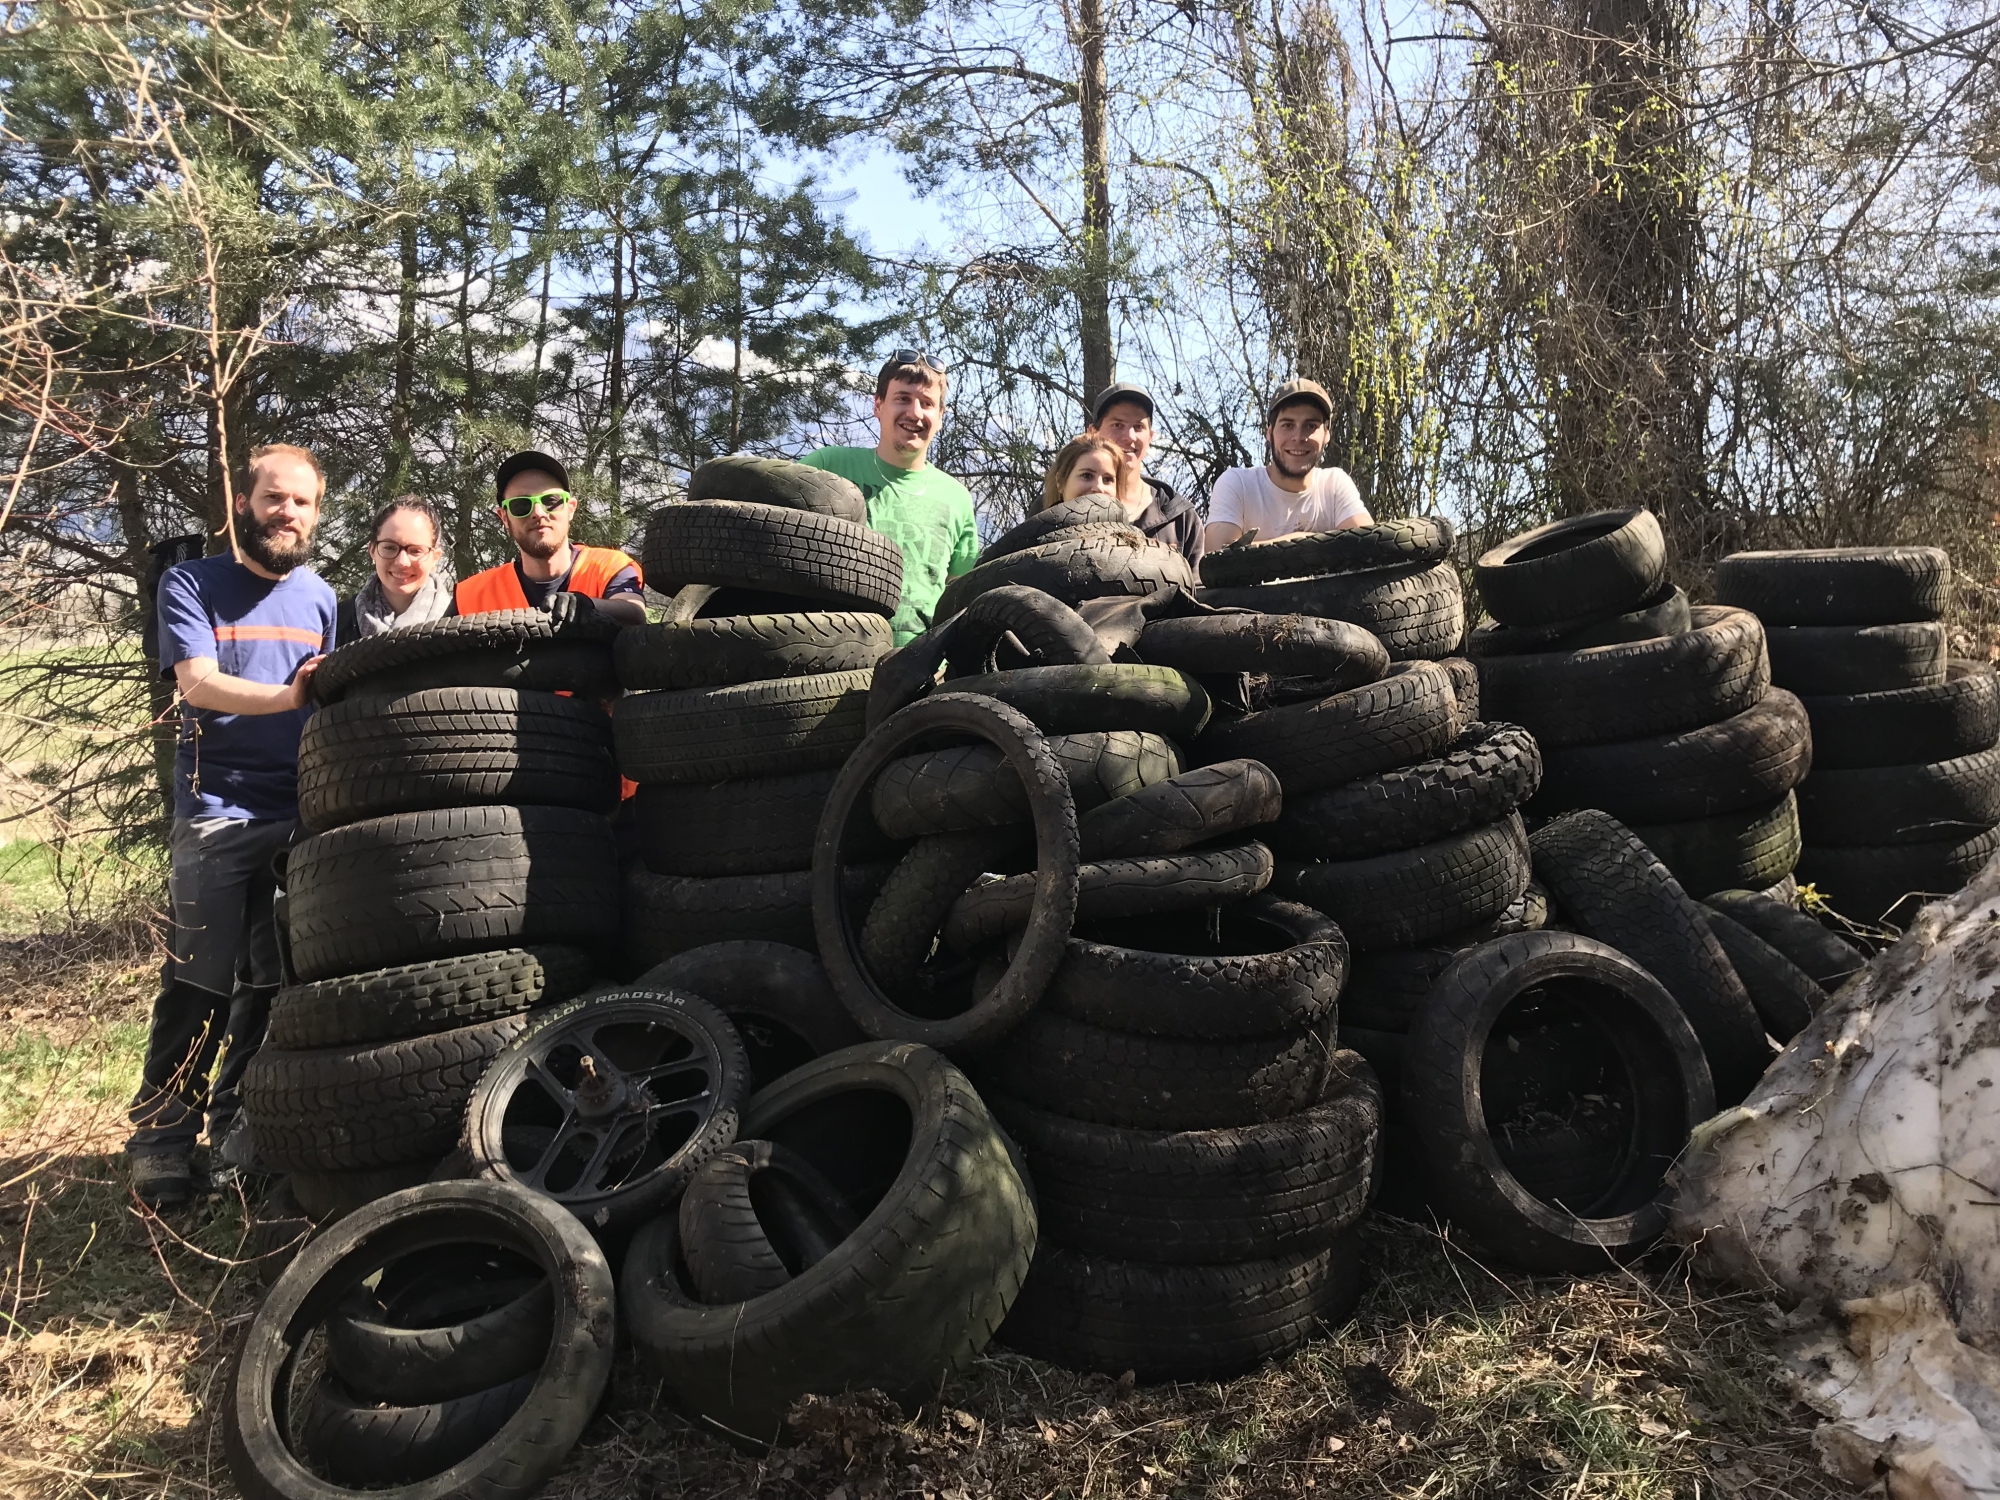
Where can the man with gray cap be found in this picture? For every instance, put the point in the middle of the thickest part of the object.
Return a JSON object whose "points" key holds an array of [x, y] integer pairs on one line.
{"points": [[1291, 493], [1124, 415]]}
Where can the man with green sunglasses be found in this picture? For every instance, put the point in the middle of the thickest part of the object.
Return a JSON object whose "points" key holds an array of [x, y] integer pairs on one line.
{"points": [[550, 572]]}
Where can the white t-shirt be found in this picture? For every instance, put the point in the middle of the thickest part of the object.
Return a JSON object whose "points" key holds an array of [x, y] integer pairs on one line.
{"points": [[1247, 499]]}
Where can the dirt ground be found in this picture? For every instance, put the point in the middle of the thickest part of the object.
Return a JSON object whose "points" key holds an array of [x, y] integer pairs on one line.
{"points": [[1455, 1379]]}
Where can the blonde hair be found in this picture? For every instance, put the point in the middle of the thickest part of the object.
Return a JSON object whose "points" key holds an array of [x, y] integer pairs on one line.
{"points": [[283, 450], [1072, 455]]}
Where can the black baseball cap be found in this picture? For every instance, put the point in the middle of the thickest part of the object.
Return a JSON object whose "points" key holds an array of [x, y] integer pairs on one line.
{"points": [[1122, 390], [521, 463]]}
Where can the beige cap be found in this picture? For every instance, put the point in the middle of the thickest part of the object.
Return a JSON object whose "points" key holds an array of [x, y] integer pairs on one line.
{"points": [[1298, 390]]}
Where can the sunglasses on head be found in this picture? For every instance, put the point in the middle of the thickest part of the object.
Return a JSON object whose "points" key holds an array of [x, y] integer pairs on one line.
{"points": [[520, 507], [915, 357]]}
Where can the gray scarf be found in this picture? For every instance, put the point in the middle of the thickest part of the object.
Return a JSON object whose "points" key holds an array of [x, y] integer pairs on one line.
{"points": [[373, 616]]}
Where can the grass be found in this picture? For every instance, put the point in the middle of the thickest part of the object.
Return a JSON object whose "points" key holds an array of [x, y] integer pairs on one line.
{"points": [[1455, 1381]]}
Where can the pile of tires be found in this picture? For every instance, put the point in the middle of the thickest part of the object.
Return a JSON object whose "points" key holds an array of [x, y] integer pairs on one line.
{"points": [[1659, 714], [1394, 579], [460, 873], [742, 703], [1903, 803], [1087, 922]]}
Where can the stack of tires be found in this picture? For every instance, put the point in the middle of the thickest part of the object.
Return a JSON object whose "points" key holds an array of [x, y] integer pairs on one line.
{"points": [[745, 700], [1086, 922], [1903, 802], [1661, 715], [1394, 579], [1401, 824], [461, 871]]}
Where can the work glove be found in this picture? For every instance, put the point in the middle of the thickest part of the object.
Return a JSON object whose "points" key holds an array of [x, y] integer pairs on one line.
{"points": [[569, 608]]}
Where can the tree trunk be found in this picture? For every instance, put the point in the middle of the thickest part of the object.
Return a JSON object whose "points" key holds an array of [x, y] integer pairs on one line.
{"points": [[1100, 365], [402, 456]]}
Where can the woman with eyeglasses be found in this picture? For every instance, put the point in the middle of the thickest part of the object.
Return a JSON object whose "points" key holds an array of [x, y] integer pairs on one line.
{"points": [[411, 584]]}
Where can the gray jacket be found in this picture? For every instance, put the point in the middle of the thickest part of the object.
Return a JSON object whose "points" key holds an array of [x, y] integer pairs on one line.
{"points": [[1172, 520]]}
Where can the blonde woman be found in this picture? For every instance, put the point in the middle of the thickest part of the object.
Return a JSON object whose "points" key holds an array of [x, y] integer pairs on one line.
{"points": [[1087, 465]]}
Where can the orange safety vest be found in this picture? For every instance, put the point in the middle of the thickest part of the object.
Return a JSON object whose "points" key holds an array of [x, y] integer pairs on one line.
{"points": [[500, 588]]}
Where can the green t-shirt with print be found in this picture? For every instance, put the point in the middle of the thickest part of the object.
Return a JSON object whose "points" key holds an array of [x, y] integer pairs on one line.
{"points": [[926, 513]]}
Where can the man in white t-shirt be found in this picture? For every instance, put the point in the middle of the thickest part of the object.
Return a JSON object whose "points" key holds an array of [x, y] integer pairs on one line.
{"points": [[1291, 493]]}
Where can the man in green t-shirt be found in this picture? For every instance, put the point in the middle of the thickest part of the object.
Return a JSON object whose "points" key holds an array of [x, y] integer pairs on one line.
{"points": [[925, 513]]}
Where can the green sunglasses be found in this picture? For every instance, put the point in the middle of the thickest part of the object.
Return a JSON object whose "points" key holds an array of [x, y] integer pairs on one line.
{"points": [[520, 507]]}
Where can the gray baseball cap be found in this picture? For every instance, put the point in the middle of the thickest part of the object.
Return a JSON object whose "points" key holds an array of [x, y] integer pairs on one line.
{"points": [[1298, 390], [1122, 390]]}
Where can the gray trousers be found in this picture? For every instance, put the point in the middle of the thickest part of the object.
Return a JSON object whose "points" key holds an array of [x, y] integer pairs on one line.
{"points": [[218, 980]]}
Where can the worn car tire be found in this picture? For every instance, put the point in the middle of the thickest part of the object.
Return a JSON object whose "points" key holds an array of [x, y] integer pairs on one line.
{"points": [[1196, 807], [1578, 566], [373, 1105], [1414, 896], [741, 1241], [1039, 624], [1821, 955], [1747, 760], [1950, 799], [1160, 1083], [1959, 716], [438, 884], [446, 1322], [1611, 887], [1748, 849], [1204, 1197], [1715, 668], [1108, 889], [776, 549], [1410, 716], [368, 757], [1074, 569], [777, 481], [1264, 966], [1665, 614], [1062, 516], [1443, 1098], [676, 654], [532, 1443], [1384, 544], [1488, 772], [1784, 994], [761, 825], [1329, 651], [946, 1234], [1888, 882], [1837, 585], [1117, 695], [974, 786], [902, 924], [666, 915], [1416, 611], [1823, 660], [1180, 1322], [386, 1005], [752, 729], [511, 648]]}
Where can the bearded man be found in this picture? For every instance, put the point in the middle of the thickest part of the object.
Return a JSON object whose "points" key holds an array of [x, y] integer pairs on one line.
{"points": [[242, 633], [1292, 492]]}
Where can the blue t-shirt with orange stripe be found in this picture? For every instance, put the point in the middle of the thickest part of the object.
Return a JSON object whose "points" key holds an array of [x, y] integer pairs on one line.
{"points": [[241, 765]]}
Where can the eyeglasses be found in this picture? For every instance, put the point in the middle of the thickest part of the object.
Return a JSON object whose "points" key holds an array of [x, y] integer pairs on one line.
{"points": [[520, 507], [914, 357], [390, 551]]}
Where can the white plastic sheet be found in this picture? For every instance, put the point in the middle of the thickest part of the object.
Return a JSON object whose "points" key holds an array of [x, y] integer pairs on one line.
{"points": [[1864, 1170]]}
